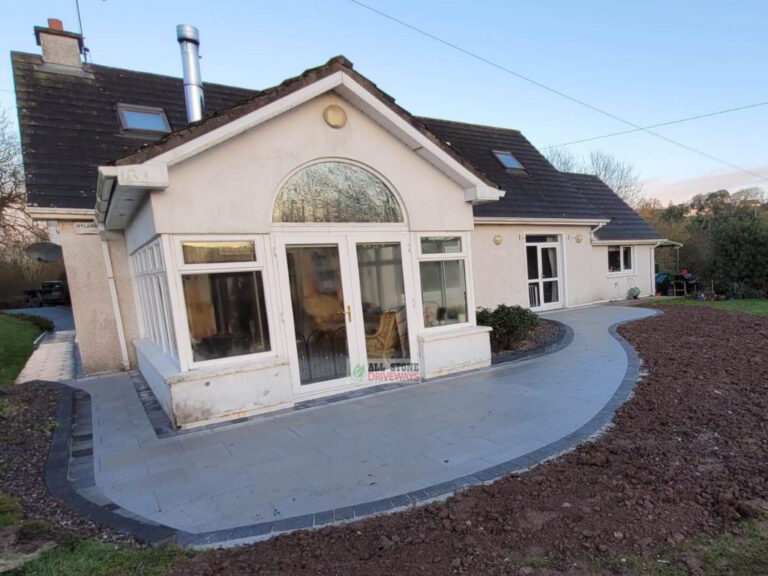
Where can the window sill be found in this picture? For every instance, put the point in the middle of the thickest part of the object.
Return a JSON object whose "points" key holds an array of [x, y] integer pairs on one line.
{"points": [[445, 332], [235, 366], [622, 274]]}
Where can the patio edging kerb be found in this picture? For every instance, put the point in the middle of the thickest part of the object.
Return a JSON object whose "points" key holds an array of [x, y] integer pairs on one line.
{"points": [[61, 487]]}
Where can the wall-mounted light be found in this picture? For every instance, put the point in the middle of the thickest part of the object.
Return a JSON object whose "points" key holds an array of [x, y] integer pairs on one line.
{"points": [[579, 238], [498, 239]]}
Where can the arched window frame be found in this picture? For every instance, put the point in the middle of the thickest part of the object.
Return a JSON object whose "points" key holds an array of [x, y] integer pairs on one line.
{"points": [[340, 225]]}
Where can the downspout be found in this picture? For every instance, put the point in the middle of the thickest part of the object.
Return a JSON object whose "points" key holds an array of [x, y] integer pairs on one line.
{"points": [[115, 304]]}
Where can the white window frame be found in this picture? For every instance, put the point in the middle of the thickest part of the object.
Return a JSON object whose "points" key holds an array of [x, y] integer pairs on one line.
{"points": [[153, 295], [261, 264], [623, 271], [464, 255], [123, 107]]}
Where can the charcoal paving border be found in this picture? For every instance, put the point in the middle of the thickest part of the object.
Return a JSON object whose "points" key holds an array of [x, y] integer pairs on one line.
{"points": [[62, 459]]}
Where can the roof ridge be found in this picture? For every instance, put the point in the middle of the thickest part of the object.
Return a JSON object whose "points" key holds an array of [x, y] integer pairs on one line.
{"points": [[86, 66], [458, 123]]}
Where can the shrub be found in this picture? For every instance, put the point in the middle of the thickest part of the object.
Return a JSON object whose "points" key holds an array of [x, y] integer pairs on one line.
{"points": [[509, 323], [44, 324]]}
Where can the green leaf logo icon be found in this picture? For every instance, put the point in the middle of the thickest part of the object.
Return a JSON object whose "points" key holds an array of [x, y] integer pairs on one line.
{"points": [[358, 372]]}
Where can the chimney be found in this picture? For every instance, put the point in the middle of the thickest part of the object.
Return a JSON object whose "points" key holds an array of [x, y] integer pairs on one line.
{"points": [[59, 46], [189, 40]]}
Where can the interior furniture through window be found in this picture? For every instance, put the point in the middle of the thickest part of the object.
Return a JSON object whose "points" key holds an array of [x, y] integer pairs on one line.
{"points": [[443, 280]]}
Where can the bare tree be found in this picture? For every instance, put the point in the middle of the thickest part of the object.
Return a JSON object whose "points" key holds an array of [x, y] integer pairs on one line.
{"points": [[621, 177], [16, 227], [751, 194]]}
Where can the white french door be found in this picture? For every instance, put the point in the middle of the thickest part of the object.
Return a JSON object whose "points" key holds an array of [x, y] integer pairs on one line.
{"points": [[347, 307], [543, 264]]}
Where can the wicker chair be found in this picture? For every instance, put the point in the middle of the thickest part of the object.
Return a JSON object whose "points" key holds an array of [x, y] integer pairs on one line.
{"points": [[381, 345]]}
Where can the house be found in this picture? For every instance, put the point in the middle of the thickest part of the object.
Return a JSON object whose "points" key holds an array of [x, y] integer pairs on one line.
{"points": [[247, 250]]}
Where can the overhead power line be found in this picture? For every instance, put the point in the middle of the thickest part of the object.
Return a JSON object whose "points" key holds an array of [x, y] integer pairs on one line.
{"points": [[554, 90], [669, 123]]}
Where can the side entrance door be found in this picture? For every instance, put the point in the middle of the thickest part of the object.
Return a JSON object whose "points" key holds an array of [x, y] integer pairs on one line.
{"points": [[543, 263], [347, 307]]}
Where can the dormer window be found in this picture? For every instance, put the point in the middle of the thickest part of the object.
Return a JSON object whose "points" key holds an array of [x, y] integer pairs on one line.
{"points": [[146, 119], [508, 160]]}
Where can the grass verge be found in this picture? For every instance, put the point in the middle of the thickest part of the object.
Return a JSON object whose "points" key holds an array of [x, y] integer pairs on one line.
{"points": [[92, 558], [756, 307], [739, 553], [16, 340]]}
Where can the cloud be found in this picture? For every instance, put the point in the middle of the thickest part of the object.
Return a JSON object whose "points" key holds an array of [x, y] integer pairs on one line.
{"points": [[682, 190]]}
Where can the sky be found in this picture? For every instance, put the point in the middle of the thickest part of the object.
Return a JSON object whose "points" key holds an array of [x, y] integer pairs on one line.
{"points": [[646, 62]]}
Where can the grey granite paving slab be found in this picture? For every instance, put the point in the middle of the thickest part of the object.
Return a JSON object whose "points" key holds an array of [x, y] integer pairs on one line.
{"points": [[372, 454]]}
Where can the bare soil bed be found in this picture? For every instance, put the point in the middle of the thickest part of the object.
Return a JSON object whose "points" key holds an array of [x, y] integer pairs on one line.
{"points": [[544, 334], [26, 425], [688, 454]]}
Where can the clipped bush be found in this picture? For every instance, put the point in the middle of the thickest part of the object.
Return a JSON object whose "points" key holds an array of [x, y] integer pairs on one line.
{"points": [[510, 324], [44, 324]]}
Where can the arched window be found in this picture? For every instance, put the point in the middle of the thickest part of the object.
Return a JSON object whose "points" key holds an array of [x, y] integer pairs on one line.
{"points": [[335, 192]]}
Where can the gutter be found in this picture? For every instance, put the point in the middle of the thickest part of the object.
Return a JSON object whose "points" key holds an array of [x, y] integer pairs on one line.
{"points": [[540, 221]]}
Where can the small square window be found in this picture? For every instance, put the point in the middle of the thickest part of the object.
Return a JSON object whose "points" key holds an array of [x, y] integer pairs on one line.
{"points": [[508, 160], [135, 118]]}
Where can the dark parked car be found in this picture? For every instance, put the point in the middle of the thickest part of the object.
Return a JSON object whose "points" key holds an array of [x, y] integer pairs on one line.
{"points": [[51, 293]]}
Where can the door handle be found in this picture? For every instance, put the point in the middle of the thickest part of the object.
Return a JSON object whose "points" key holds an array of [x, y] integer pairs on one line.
{"points": [[349, 313]]}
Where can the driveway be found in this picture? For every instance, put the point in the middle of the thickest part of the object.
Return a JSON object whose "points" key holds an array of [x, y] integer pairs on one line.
{"points": [[61, 316], [54, 360], [348, 459]]}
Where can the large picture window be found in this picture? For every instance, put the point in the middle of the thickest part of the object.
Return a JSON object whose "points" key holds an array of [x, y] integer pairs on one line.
{"points": [[443, 280], [223, 287], [226, 314], [619, 259]]}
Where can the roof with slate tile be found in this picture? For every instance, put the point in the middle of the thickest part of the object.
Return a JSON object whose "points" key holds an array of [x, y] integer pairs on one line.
{"points": [[625, 224], [69, 123], [69, 127]]}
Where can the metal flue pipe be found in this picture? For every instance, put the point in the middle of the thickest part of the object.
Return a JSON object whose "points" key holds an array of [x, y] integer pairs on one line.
{"points": [[189, 41]]}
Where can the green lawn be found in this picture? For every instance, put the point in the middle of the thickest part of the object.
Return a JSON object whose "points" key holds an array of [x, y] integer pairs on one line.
{"points": [[92, 558], [16, 339], [757, 307]]}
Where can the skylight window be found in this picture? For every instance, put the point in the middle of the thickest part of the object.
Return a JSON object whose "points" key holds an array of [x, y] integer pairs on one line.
{"points": [[508, 160], [136, 118]]}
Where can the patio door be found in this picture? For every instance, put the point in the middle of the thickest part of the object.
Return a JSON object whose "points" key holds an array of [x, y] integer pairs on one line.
{"points": [[543, 263], [348, 308]]}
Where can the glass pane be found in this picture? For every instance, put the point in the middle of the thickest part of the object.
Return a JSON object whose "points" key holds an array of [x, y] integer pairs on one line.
{"points": [[443, 292], [533, 295], [335, 192], [532, 256], [213, 252], [540, 239], [627, 257], [614, 259], [549, 262], [226, 313], [150, 121], [317, 298], [507, 159], [441, 245], [383, 300], [550, 292]]}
